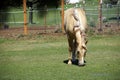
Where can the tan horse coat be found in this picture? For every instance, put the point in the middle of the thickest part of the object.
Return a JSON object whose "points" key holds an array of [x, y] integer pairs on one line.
{"points": [[75, 25]]}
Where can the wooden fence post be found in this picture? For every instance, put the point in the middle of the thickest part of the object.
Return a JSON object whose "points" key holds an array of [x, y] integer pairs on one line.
{"points": [[100, 15], [62, 15], [25, 18]]}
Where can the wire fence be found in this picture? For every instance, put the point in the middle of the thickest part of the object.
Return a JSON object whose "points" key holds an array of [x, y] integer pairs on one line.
{"points": [[52, 16], [109, 15], [47, 17]]}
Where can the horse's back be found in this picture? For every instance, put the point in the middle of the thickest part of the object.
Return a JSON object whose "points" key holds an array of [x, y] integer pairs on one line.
{"points": [[69, 20]]}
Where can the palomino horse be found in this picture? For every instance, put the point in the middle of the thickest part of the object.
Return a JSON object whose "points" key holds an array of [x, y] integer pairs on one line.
{"points": [[75, 25]]}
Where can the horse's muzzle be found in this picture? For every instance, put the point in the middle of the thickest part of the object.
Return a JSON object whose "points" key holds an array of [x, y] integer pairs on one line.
{"points": [[79, 64]]}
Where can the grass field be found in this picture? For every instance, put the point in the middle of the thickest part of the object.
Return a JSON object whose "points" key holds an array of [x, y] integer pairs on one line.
{"points": [[43, 58]]}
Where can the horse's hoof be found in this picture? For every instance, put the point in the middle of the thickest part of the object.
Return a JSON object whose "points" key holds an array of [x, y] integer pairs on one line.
{"points": [[69, 62]]}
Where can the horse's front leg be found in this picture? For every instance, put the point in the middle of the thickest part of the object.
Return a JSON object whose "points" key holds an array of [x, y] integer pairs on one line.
{"points": [[74, 50], [70, 42]]}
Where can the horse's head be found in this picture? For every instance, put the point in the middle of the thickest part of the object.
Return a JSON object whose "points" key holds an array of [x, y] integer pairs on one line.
{"points": [[81, 47]]}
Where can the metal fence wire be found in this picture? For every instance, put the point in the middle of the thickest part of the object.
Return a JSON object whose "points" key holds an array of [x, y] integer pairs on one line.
{"points": [[52, 16]]}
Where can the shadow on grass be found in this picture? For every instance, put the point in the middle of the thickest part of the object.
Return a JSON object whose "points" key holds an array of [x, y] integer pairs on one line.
{"points": [[75, 62]]}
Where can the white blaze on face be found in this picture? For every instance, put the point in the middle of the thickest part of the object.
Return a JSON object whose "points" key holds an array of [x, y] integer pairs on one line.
{"points": [[82, 60]]}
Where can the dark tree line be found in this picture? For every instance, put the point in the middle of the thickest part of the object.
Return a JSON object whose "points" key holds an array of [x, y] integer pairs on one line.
{"points": [[10, 3], [113, 2], [38, 3], [18, 3]]}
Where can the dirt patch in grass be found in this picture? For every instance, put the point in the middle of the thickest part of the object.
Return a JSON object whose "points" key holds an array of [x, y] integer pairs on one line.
{"points": [[35, 31], [18, 33]]}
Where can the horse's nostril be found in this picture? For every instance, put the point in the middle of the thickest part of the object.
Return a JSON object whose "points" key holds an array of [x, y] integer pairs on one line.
{"points": [[85, 61]]}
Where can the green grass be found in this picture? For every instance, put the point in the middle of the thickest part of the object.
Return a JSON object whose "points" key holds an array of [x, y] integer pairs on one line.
{"points": [[42, 59]]}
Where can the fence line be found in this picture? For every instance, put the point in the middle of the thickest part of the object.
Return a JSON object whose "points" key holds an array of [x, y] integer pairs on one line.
{"points": [[57, 9], [13, 12], [53, 15]]}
